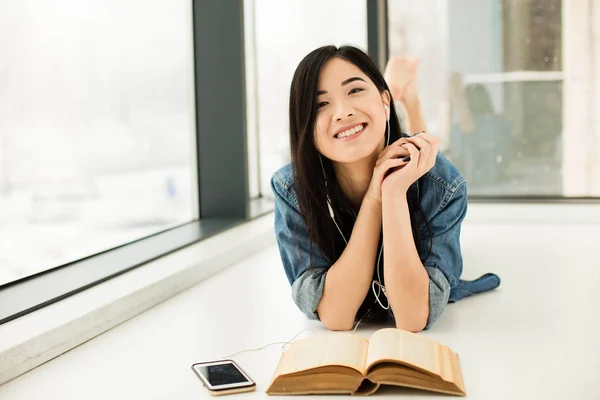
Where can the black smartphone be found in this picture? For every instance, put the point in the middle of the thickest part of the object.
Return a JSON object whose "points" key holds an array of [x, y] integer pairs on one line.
{"points": [[223, 377]]}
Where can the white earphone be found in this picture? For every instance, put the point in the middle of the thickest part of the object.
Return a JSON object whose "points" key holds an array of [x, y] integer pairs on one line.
{"points": [[374, 283], [387, 114], [332, 215]]}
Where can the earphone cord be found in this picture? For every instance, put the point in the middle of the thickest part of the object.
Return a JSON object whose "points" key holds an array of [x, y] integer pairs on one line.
{"points": [[374, 282], [272, 344], [291, 340]]}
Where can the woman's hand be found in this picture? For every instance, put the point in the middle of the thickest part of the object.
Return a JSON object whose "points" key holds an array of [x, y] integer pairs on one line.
{"points": [[423, 150], [389, 159], [401, 76]]}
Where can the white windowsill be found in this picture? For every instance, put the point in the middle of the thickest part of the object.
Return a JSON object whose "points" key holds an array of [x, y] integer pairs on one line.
{"points": [[35, 338]]}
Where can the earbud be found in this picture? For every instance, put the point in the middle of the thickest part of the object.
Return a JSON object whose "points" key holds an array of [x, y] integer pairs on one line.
{"points": [[387, 112]]}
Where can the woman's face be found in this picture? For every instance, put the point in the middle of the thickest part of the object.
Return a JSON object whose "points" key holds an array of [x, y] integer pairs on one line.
{"points": [[351, 120]]}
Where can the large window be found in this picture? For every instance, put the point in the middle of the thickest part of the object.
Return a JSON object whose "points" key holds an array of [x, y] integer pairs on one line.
{"points": [[278, 35], [503, 89], [97, 136]]}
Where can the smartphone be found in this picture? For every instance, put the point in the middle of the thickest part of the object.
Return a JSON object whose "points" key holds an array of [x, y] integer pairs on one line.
{"points": [[223, 377]]}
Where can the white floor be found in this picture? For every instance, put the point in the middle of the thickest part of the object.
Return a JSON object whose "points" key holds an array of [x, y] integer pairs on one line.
{"points": [[536, 337]]}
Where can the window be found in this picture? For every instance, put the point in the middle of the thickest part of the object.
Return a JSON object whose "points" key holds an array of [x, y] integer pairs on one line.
{"points": [[281, 33], [96, 128], [503, 90]]}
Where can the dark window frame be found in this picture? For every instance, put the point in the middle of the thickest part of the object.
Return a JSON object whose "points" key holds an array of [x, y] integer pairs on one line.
{"points": [[377, 31]]}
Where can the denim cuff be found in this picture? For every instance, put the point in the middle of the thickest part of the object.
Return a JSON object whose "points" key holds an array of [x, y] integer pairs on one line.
{"points": [[307, 291], [439, 293]]}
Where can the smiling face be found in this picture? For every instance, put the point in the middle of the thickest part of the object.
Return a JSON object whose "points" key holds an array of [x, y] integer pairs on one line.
{"points": [[351, 121]]}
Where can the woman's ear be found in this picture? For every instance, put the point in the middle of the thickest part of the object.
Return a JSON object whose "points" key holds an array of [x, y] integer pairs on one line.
{"points": [[386, 98]]}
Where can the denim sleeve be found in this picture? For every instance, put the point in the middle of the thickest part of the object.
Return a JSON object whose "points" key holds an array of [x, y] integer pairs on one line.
{"points": [[293, 241], [444, 262]]}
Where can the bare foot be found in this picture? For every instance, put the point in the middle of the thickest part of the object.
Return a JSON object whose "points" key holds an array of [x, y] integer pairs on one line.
{"points": [[401, 76]]}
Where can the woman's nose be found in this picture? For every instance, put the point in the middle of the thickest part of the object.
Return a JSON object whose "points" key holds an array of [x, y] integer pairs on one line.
{"points": [[344, 111]]}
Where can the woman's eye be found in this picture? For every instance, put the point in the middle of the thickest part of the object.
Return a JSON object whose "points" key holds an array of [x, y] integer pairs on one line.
{"points": [[356, 90], [322, 104]]}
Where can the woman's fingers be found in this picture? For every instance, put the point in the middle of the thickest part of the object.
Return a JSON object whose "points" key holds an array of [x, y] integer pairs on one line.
{"points": [[393, 162], [429, 145], [434, 141], [426, 145], [435, 149], [424, 152], [429, 138], [414, 153], [393, 151], [389, 166]]}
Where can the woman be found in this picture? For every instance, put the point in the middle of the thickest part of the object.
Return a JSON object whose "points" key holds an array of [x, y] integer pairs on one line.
{"points": [[367, 218]]}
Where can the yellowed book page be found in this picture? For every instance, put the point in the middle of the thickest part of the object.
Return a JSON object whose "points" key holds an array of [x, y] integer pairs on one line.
{"points": [[408, 347], [456, 372], [328, 349]]}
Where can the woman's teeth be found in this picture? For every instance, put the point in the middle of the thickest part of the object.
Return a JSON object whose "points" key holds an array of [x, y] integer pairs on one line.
{"points": [[350, 132]]}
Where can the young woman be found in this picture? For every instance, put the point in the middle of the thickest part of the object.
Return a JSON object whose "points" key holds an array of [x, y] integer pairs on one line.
{"points": [[367, 217]]}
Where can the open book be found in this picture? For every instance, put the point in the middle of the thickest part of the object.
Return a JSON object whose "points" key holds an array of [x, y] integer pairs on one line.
{"points": [[345, 363]]}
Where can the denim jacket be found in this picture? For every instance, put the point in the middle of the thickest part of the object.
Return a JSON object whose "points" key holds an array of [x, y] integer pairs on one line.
{"points": [[443, 199]]}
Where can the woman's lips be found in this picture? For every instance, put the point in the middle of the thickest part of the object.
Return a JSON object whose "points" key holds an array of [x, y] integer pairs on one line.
{"points": [[354, 136]]}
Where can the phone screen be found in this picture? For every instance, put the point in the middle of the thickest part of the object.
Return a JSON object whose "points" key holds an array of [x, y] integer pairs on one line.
{"points": [[221, 374]]}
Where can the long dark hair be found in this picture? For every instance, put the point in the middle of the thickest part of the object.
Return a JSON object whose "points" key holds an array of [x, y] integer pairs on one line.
{"points": [[309, 181]]}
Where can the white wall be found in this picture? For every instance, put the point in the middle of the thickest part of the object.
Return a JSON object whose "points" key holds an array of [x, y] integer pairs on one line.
{"points": [[595, 53], [581, 98]]}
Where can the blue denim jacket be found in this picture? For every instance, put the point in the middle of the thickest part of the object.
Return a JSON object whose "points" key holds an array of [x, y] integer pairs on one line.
{"points": [[443, 200]]}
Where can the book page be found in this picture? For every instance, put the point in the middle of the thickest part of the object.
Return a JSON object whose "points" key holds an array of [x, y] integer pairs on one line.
{"points": [[328, 349], [408, 347]]}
